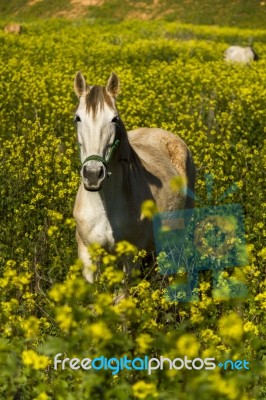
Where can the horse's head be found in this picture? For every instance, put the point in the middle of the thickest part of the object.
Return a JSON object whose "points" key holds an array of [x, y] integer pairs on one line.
{"points": [[96, 119]]}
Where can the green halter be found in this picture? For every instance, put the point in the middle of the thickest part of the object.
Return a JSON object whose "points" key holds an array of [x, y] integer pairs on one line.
{"points": [[106, 160]]}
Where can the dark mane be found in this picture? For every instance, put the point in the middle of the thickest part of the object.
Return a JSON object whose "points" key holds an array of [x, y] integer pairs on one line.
{"points": [[96, 97], [126, 153], [132, 167]]}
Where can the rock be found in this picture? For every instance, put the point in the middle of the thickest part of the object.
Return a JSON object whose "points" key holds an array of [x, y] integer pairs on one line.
{"points": [[13, 28]]}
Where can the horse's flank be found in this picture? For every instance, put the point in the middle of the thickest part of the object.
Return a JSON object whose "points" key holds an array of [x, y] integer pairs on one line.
{"points": [[156, 145]]}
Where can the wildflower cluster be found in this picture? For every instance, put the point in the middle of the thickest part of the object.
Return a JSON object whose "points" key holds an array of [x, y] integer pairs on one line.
{"points": [[173, 77]]}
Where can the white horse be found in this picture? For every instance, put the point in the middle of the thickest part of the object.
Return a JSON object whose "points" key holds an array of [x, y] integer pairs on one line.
{"points": [[240, 54], [120, 170]]}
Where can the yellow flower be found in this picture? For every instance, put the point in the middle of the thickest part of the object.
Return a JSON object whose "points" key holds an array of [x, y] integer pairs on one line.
{"points": [[141, 390], [72, 286], [196, 316], [52, 230], [32, 359], [99, 331], [143, 341], [261, 297], [178, 183], [109, 259], [250, 327], [70, 222], [141, 254], [55, 216], [228, 388], [31, 327], [128, 307], [104, 301], [204, 286], [231, 326], [112, 276], [209, 337], [187, 345], [22, 280], [57, 292], [262, 253], [64, 318], [42, 396], [156, 295], [125, 248], [148, 209]]}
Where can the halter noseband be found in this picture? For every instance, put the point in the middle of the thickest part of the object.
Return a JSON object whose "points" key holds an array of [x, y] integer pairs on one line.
{"points": [[106, 160]]}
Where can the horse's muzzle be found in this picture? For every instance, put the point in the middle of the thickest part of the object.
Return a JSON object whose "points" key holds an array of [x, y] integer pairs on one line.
{"points": [[93, 175]]}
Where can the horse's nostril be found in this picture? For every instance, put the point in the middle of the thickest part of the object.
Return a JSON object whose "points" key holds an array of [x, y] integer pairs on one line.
{"points": [[101, 173], [86, 171]]}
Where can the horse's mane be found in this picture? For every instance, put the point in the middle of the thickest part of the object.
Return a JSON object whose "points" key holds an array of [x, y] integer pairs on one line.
{"points": [[131, 163]]}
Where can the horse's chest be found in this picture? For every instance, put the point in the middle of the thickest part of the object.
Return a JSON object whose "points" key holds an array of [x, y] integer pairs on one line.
{"points": [[96, 230], [92, 222], [108, 223]]}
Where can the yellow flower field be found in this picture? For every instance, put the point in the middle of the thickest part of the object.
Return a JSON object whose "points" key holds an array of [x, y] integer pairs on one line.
{"points": [[173, 76]]}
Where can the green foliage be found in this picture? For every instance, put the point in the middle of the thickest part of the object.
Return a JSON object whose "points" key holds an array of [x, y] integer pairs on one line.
{"points": [[173, 77]]}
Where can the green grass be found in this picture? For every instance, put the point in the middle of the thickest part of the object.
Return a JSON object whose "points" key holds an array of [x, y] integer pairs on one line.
{"points": [[234, 13]]}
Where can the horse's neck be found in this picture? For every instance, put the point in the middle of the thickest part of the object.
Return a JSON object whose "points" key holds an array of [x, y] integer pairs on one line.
{"points": [[122, 192], [112, 192]]}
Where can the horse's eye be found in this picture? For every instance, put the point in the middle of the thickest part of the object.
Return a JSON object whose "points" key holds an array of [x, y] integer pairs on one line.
{"points": [[77, 118], [115, 119]]}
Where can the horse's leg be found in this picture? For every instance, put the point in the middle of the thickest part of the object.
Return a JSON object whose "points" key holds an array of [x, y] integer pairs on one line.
{"points": [[128, 266], [84, 255], [123, 291]]}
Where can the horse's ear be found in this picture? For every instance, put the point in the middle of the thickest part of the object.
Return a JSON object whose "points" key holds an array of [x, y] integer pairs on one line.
{"points": [[80, 84], [113, 85]]}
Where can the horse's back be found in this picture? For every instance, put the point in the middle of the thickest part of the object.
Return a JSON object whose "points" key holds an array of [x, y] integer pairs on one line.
{"points": [[162, 145]]}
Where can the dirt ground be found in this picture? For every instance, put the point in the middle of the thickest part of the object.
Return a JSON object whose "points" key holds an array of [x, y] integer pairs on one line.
{"points": [[78, 8]]}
